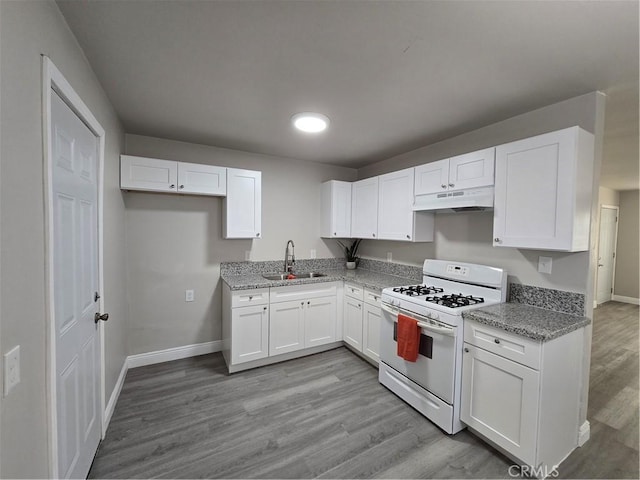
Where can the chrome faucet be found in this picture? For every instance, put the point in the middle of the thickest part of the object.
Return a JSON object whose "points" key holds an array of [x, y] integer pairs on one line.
{"points": [[289, 259]]}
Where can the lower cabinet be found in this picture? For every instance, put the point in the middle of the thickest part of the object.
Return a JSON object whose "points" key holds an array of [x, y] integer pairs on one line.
{"points": [[523, 395], [362, 318], [261, 323]]}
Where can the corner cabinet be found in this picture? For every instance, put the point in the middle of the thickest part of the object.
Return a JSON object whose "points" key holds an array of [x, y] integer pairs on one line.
{"points": [[336, 209], [242, 210], [156, 175], [362, 316], [522, 395], [543, 191]]}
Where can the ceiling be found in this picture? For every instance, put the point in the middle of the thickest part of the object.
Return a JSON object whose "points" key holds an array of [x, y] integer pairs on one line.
{"points": [[391, 75]]}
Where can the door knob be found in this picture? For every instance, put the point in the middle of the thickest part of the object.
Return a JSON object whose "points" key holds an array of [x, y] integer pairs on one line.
{"points": [[104, 317]]}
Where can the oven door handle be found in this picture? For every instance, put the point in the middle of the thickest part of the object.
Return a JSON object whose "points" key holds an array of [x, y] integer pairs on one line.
{"points": [[441, 329]]}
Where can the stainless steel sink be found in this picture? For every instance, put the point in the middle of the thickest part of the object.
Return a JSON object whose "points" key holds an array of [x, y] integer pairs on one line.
{"points": [[283, 276]]}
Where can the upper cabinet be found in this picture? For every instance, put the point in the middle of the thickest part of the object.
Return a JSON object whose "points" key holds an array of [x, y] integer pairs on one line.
{"points": [[336, 209], [470, 170], [156, 175], [396, 218], [543, 191], [242, 211], [364, 208]]}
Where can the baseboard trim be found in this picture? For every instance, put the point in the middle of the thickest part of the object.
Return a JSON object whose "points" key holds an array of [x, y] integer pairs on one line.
{"points": [[620, 298], [176, 353], [584, 433], [115, 394]]}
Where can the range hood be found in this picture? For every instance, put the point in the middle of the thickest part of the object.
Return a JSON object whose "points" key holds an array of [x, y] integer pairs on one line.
{"points": [[472, 199]]}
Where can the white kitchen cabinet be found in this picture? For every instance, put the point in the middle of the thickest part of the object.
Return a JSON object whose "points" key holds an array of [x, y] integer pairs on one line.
{"points": [[543, 191], [245, 325], [302, 316], [471, 170], [336, 209], [362, 316], [522, 395], [396, 218], [371, 318], [286, 329], [156, 175], [197, 179], [364, 208], [150, 174], [242, 210]]}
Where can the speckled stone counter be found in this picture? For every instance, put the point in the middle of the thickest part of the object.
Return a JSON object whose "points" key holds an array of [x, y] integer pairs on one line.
{"points": [[366, 278], [532, 322]]}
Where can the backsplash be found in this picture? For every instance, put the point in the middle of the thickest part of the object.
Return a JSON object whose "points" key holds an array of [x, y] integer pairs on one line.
{"points": [[320, 264], [550, 299]]}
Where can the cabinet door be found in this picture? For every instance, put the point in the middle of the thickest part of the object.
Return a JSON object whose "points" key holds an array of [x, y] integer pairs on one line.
{"points": [[243, 204], [200, 179], [320, 321], [472, 170], [152, 174], [534, 188], [500, 401], [353, 322], [395, 205], [364, 208], [336, 209], [286, 327], [371, 331], [249, 333], [432, 177]]}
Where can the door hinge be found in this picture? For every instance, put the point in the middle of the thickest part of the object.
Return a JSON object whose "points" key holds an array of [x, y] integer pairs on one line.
{"points": [[614, 254], [612, 290]]}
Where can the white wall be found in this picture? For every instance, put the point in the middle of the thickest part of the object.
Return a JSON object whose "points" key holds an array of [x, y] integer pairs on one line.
{"points": [[468, 236], [27, 30], [628, 250], [175, 242]]}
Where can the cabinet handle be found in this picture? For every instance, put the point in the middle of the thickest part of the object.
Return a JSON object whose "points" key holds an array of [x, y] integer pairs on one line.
{"points": [[359, 305], [308, 303], [497, 240], [181, 186], [257, 234], [173, 185], [250, 298], [373, 234], [409, 237], [335, 233], [264, 308], [302, 303], [444, 185], [497, 340], [451, 185], [466, 350]]}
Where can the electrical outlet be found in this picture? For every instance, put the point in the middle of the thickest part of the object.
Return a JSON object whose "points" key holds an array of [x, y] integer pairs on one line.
{"points": [[313, 253], [545, 264], [188, 295], [247, 255], [11, 369], [389, 256]]}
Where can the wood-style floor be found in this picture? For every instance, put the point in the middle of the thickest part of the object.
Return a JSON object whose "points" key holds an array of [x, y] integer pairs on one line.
{"points": [[327, 416]]}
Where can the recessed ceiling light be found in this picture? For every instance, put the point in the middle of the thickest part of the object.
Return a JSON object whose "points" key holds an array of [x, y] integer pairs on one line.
{"points": [[310, 122]]}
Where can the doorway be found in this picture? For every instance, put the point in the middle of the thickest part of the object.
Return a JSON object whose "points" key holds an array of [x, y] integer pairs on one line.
{"points": [[74, 159], [606, 253]]}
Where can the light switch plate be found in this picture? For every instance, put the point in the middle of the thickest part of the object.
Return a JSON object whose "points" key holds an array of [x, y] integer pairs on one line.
{"points": [[313, 253], [189, 295], [11, 369], [545, 264], [389, 256]]}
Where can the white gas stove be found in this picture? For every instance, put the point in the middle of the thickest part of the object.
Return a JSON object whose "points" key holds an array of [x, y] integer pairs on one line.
{"points": [[432, 383]]}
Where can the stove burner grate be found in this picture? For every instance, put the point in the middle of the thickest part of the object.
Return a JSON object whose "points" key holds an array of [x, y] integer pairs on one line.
{"points": [[417, 290], [454, 300]]}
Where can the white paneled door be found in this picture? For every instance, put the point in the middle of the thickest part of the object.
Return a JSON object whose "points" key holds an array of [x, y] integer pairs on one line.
{"points": [[74, 196], [606, 253]]}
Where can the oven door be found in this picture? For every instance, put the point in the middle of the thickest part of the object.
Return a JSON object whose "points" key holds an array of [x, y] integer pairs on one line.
{"points": [[435, 367]]}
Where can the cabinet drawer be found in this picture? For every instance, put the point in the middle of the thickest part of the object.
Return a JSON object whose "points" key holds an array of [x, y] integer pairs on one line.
{"points": [[508, 345], [354, 291], [242, 298], [303, 292], [372, 297]]}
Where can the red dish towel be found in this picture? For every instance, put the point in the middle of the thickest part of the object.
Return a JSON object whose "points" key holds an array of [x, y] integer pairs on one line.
{"points": [[408, 338]]}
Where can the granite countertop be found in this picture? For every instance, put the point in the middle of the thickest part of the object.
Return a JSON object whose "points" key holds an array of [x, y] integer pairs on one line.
{"points": [[532, 322], [366, 278]]}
